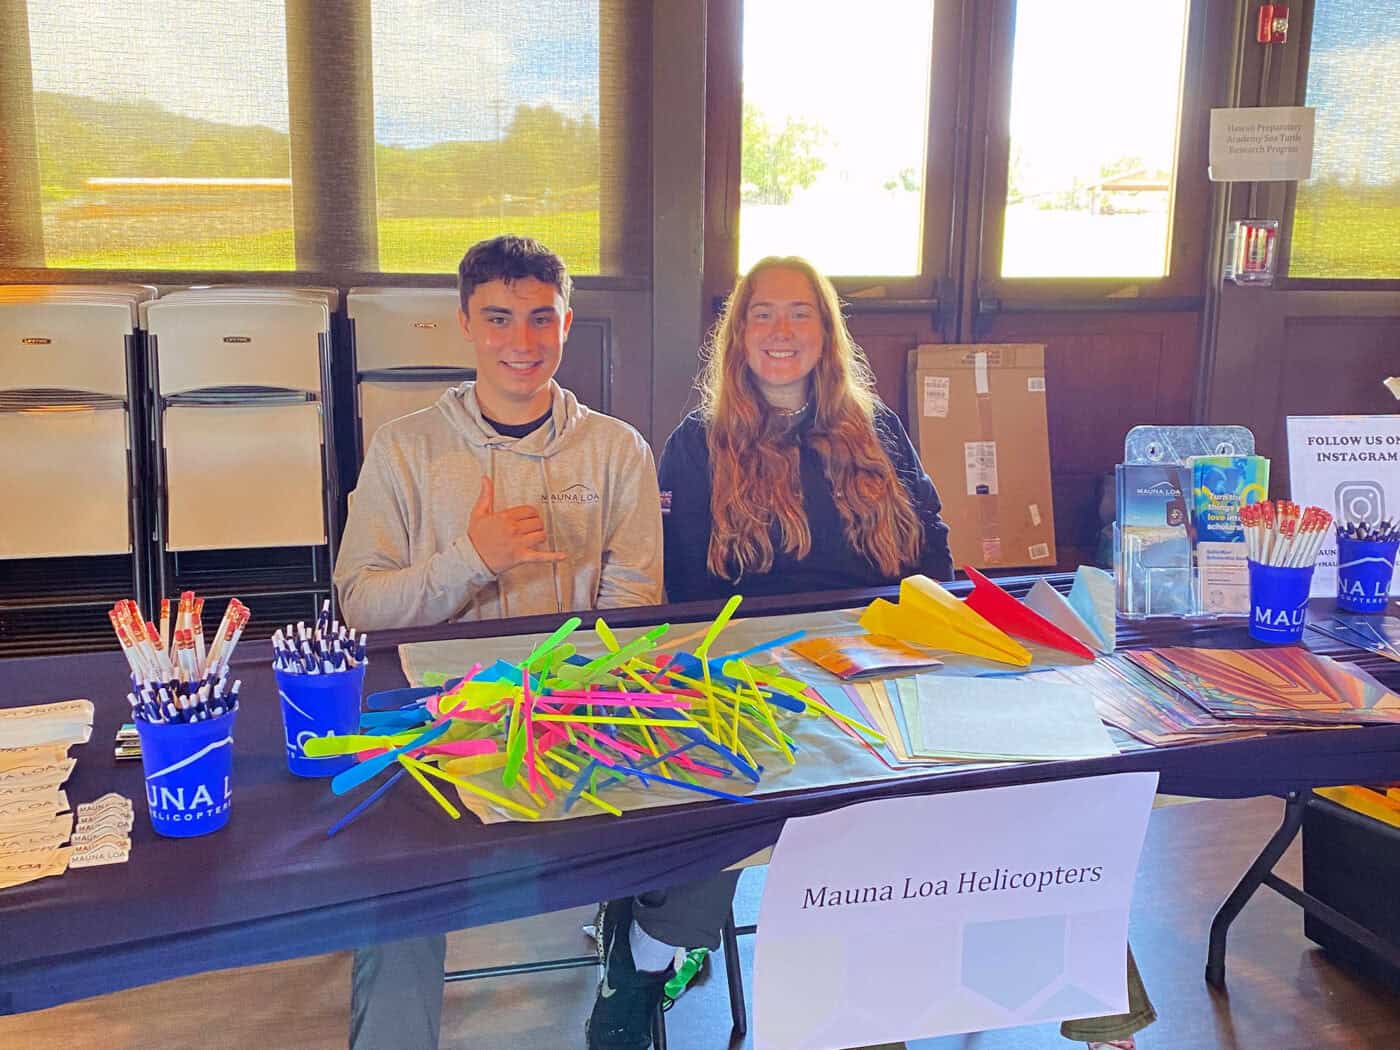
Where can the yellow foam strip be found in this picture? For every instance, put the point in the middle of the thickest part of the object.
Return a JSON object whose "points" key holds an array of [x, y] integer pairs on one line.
{"points": [[436, 795], [588, 796], [831, 712], [469, 765], [567, 763], [489, 796], [767, 712], [619, 720]]}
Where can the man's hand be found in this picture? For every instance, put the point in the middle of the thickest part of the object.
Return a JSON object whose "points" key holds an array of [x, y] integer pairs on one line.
{"points": [[506, 538]]}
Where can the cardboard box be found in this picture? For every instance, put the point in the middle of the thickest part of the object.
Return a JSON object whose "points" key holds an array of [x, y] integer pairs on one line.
{"points": [[977, 413]]}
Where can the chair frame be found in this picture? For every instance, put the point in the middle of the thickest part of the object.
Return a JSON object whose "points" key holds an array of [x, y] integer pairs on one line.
{"points": [[164, 576], [138, 506], [734, 978]]}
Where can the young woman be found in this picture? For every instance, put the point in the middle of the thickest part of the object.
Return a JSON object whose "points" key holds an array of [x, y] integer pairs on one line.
{"points": [[792, 476]]}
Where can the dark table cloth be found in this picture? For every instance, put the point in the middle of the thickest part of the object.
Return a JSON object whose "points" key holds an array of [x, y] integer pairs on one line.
{"points": [[271, 886]]}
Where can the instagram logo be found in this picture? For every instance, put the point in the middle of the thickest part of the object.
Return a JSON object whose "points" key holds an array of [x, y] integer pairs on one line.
{"points": [[1361, 501]]}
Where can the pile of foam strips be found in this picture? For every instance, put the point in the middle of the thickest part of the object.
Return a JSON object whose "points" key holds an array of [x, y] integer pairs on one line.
{"points": [[560, 724]]}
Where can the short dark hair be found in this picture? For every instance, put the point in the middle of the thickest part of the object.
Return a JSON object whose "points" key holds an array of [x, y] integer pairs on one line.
{"points": [[509, 258]]}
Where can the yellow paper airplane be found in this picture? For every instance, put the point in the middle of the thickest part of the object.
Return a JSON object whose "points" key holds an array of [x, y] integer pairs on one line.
{"points": [[928, 615]]}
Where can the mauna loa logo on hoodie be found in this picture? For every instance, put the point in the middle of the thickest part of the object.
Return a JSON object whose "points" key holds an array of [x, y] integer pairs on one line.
{"points": [[577, 493]]}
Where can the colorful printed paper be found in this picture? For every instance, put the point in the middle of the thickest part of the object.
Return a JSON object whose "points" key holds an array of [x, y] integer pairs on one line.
{"points": [[1130, 699], [1284, 684], [863, 655]]}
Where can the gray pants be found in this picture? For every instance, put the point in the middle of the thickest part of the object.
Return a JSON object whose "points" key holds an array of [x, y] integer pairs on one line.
{"points": [[396, 988]]}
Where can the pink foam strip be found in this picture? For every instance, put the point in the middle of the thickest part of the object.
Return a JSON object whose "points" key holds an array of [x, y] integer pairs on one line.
{"points": [[463, 747]]}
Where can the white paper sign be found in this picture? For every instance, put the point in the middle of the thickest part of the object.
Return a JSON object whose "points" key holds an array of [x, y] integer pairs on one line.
{"points": [[1350, 466], [980, 458], [1261, 144], [936, 389], [916, 917]]}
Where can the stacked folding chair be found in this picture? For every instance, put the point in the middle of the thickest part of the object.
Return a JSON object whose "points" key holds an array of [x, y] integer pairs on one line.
{"points": [[408, 349], [73, 517], [243, 457]]}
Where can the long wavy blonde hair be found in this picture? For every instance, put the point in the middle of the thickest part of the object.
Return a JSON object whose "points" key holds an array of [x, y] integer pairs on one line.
{"points": [[755, 475]]}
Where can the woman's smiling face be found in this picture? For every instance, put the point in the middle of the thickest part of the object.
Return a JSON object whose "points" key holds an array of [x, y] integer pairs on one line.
{"points": [[783, 335]]}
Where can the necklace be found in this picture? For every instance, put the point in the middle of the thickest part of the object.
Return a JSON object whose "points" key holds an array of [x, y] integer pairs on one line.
{"points": [[792, 411]]}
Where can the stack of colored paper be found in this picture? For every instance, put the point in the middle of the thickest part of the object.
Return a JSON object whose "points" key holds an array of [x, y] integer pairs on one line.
{"points": [[1273, 685], [1130, 699], [1002, 719], [937, 719], [1379, 635]]}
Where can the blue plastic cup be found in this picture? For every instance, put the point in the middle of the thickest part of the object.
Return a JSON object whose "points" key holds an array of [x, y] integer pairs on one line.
{"points": [[1278, 602], [1364, 569], [319, 705], [189, 767]]}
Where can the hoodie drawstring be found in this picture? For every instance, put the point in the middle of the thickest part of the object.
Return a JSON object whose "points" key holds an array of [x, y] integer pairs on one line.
{"points": [[549, 534], [500, 580]]}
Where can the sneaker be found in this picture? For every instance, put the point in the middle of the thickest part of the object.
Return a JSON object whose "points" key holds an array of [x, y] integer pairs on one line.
{"points": [[1130, 1043], [627, 998]]}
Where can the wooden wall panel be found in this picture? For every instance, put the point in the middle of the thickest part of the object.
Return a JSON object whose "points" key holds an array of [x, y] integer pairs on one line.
{"points": [[887, 339], [1104, 374], [1333, 366], [1303, 353]]}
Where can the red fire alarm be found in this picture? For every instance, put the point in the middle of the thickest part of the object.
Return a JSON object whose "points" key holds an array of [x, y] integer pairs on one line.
{"points": [[1273, 24]]}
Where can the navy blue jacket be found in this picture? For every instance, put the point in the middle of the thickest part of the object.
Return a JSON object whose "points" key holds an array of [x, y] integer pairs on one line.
{"points": [[832, 564]]}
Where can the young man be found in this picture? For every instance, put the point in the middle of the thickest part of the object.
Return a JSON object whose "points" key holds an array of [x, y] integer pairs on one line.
{"points": [[509, 498]]}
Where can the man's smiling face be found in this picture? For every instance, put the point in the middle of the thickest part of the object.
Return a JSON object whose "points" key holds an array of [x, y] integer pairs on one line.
{"points": [[519, 331]]}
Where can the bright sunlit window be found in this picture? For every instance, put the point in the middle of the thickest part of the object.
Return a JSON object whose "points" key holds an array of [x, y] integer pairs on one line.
{"points": [[1095, 108], [162, 134], [1346, 222], [835, 127], [486, 122]]}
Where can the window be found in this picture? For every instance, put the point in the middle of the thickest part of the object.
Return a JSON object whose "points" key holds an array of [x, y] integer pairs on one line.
{"points": [[1093, 142], [162, 135], [834, 138], [1346, 218], [486, 121], [161, 129]]}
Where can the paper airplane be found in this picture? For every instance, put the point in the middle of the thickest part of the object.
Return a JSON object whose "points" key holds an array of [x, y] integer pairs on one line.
{"points": [[1093, 599], [928, 615], [1002, 610], [1052, 605]]}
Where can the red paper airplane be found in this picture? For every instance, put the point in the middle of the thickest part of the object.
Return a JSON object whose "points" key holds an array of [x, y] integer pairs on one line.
{"points": [[998, 607]]}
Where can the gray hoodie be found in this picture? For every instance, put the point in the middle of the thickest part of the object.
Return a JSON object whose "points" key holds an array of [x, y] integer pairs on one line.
{"points": [[406, 560]]}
